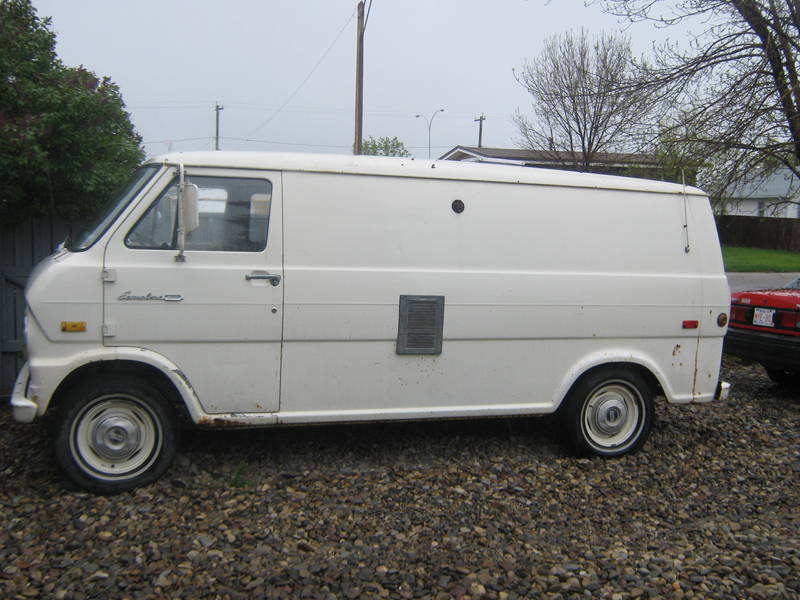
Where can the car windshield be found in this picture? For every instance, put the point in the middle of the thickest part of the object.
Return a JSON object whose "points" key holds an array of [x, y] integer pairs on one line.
{"points": [[85, 238], [794, 284]]}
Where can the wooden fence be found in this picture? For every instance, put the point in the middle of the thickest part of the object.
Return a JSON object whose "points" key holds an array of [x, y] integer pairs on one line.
{"points": [[21, 247], [759, 232]]}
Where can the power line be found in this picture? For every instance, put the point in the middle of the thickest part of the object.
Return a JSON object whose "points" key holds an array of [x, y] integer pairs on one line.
{"points": [[366, 19], [319, 62], [207, 139], [193, 139], [235, 139]]}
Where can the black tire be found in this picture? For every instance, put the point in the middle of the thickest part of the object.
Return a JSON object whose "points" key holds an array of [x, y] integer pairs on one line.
{"points": [[114, 434], [789, 379], [609, 412]]}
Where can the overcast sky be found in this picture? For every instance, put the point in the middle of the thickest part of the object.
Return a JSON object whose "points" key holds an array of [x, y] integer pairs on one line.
{"points": [[284, 70]]}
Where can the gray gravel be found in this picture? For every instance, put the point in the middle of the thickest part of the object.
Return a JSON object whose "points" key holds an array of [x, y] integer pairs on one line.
{"points": [[486, 509]]}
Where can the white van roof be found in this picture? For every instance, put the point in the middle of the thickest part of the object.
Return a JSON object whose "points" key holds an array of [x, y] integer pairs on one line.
{"points": [[410, 167]]}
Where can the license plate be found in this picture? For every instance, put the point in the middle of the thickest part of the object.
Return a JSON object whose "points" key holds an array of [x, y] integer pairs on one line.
{"points": [[763, 317]]}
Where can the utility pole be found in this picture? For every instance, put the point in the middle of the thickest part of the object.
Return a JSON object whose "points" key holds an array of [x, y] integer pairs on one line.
{"points": [[359, 78], [480, 121], [217, 109]]}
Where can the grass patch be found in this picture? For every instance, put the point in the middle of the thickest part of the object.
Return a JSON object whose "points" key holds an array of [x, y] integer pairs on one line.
{"points": [[752, 260], [239, 478]]}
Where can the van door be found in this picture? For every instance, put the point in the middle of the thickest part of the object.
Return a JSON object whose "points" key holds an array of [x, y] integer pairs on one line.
{"points": [[218, 315]]}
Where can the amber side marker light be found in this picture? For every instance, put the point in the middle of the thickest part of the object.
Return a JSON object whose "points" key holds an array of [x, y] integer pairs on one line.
{"points": [[73, 326]]}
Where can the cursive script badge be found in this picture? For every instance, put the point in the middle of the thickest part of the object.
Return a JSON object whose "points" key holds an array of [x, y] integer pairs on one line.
{"points": [[128, 296], [148, 297]]}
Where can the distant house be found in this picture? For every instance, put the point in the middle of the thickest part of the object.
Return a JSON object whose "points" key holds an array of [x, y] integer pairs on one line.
{"points": [[773, 195], [646, 166]]}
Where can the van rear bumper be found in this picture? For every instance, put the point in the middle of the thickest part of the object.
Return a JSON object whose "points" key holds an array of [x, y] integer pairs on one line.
{"points": [[23, 408]]}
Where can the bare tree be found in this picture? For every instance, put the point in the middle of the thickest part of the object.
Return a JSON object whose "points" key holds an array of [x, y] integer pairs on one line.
{"points": [[582, 100], [737, 85]]}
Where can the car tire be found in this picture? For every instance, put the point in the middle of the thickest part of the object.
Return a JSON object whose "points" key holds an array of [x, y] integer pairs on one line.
{"points": [[114, 434], [786, 378], [609, 412]]}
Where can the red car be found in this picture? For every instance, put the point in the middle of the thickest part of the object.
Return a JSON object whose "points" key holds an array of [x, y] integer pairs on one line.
{"points": [[765, 327]]}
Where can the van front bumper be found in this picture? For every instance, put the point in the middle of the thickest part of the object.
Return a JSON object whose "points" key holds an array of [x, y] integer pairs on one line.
{"points": [[23, 408]]}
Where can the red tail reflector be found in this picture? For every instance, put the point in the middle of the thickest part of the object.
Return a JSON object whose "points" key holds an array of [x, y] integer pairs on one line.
{"points": [[691, 324]]}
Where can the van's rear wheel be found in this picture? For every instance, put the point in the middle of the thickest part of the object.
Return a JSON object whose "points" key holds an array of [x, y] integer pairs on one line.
{"points": [[609, 412], [115, 434]]}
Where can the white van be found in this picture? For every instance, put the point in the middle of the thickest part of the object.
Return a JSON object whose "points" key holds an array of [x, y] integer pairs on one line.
{"points": [[255, 289]]}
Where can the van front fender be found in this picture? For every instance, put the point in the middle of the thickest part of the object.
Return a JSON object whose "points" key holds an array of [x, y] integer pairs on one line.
{"points": [[48, 375]]}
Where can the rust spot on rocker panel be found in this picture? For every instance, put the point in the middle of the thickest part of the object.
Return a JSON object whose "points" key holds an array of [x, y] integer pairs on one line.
{"points": [[220, 422]]}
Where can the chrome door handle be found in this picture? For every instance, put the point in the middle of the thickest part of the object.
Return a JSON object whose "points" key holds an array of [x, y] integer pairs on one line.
{"points": [[273, 279]]}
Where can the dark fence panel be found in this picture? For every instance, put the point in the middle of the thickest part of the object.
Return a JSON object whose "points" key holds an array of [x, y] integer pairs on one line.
{"points": [[759, 232], [21, 247]]}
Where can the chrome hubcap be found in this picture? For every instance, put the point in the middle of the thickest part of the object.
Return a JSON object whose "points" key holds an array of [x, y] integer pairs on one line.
{"points": [[610, 414], [613, 415], [116, 436]]}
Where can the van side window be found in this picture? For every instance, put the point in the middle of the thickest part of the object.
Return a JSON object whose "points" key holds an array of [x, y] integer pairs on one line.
{"points": [[234, 217]]}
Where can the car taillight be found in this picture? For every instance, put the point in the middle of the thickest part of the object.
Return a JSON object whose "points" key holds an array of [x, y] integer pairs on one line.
{"points": [[738, 313]]}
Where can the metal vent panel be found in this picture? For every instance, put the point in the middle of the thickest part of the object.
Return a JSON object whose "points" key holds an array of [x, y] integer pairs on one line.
{"points": [[421, 325]]}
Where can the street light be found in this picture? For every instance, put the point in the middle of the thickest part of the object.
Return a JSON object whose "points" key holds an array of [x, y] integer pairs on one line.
{"points": [[429, 122]]}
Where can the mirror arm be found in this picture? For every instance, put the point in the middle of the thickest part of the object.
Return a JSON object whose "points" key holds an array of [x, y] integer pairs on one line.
{"points": [[181, 227]]}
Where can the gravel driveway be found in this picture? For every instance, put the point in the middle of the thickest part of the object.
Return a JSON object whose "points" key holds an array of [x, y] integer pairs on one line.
{"points": [[486, 509]]}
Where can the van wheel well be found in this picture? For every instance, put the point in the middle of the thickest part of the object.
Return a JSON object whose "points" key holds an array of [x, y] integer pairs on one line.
{"points": [[123, 368], [644, 372]]}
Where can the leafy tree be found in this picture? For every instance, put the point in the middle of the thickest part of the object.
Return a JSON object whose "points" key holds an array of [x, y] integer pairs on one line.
{"points": [[736, 88], [580, 103], [66, 141], [384, 146]]}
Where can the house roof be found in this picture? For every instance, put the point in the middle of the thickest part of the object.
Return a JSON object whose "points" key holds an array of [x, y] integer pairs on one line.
{"points": [[781, 183], [545, 158]]}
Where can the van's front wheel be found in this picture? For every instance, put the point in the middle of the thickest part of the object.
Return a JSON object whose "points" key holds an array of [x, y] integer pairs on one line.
{"points": [[609, 412], [115, 434]]}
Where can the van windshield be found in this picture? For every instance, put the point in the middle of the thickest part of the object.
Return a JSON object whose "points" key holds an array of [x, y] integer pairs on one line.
{"points": [[87, 236]]}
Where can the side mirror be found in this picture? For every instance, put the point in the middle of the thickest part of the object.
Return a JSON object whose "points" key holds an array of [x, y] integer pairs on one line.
{"points": [[190, 207], [188, 194]]}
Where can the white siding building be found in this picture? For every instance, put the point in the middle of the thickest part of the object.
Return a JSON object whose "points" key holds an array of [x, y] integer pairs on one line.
{"points": [[774, 195]]}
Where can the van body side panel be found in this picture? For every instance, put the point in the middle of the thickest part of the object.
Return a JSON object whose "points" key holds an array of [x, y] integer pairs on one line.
{"points": [[537, 280]]}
